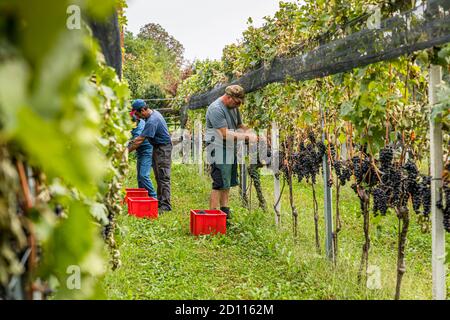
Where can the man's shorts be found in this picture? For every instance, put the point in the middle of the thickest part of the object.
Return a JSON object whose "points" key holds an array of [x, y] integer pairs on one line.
{"points": [[224, 176]]}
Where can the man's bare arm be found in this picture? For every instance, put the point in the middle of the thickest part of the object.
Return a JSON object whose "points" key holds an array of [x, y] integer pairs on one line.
{"points": [[136, 143], [233, 135], [246, 130], [243, 127]]}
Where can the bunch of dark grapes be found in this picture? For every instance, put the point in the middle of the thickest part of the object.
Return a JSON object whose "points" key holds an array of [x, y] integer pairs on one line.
{"points": [[308, 161], [425, 191], [412, 186], [411, 168], [319, 153], [388, 192], [446, 207], [391, 177], [362, 169], [321, 150], [445, 201], [395, 184], [312, 137], [356, 167], [380, 201], [332, 151], [338, 167], [386, 157], [343, 171], [346, 174]]}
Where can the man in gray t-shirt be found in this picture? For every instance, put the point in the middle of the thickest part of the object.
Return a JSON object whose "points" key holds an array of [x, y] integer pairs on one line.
{"points": [[224, 128], [220, 116]]}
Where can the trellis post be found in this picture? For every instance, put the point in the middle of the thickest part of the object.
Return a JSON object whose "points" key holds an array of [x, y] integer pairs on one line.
{"points": [[243, 172], [436, 157], [275, 169], [328, 201], [193, 137], [186, 145], [198, 144]]}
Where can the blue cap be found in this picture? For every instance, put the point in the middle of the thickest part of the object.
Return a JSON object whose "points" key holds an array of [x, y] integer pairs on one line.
{"points": [[138, 104]]}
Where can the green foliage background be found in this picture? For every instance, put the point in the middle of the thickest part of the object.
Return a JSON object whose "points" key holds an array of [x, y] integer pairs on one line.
{"points": [[149, 64], [63, 112]]}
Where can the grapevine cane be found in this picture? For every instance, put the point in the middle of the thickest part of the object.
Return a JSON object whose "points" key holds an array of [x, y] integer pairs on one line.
{"points": [[279, 199], [291, 191], [28, 205], [403, 216], [316, 219], [364, 200], [253, 172]]}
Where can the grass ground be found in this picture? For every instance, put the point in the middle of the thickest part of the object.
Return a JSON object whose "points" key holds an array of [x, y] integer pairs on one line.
{"points": [[257, 260]]}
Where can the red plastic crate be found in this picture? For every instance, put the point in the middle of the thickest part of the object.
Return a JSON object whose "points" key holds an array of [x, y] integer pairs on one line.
{"points": [[134, 192], [212, 222], [134, 189], [143, 207]]}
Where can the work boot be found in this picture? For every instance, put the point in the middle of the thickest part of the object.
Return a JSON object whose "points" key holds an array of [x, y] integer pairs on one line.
{"points": [[227, 211]]}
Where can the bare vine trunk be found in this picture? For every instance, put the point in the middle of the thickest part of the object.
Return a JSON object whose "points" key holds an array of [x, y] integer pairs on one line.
{"points": [[244, 196], [364, 198], [253, 171], [338, 220], [293, 208], [316, 218], [275, 206], [403, 216]]}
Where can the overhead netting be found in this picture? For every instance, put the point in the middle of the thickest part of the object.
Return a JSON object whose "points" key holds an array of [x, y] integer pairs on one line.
{"points": [[423, 27]]}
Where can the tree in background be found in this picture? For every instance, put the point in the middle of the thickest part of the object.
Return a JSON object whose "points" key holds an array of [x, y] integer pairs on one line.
{"points": [[158, 34], [152, 59], [152, 91]]}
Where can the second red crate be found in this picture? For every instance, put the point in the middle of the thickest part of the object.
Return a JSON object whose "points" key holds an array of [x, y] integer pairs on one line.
{"points": [[143, 207], [210, 222], [135, 192]]}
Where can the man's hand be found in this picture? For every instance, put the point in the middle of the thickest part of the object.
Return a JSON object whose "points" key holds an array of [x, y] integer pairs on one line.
{"points": [[243, 127], [136, 143]]}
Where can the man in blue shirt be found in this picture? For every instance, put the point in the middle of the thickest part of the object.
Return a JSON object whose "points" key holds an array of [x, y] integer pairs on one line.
{"points": [[144, 158], [157, 133]]}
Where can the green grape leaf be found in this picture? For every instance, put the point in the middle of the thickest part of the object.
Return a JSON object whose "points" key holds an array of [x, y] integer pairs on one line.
{"points": [[99, 212], [59, 154], [13, 82]]}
